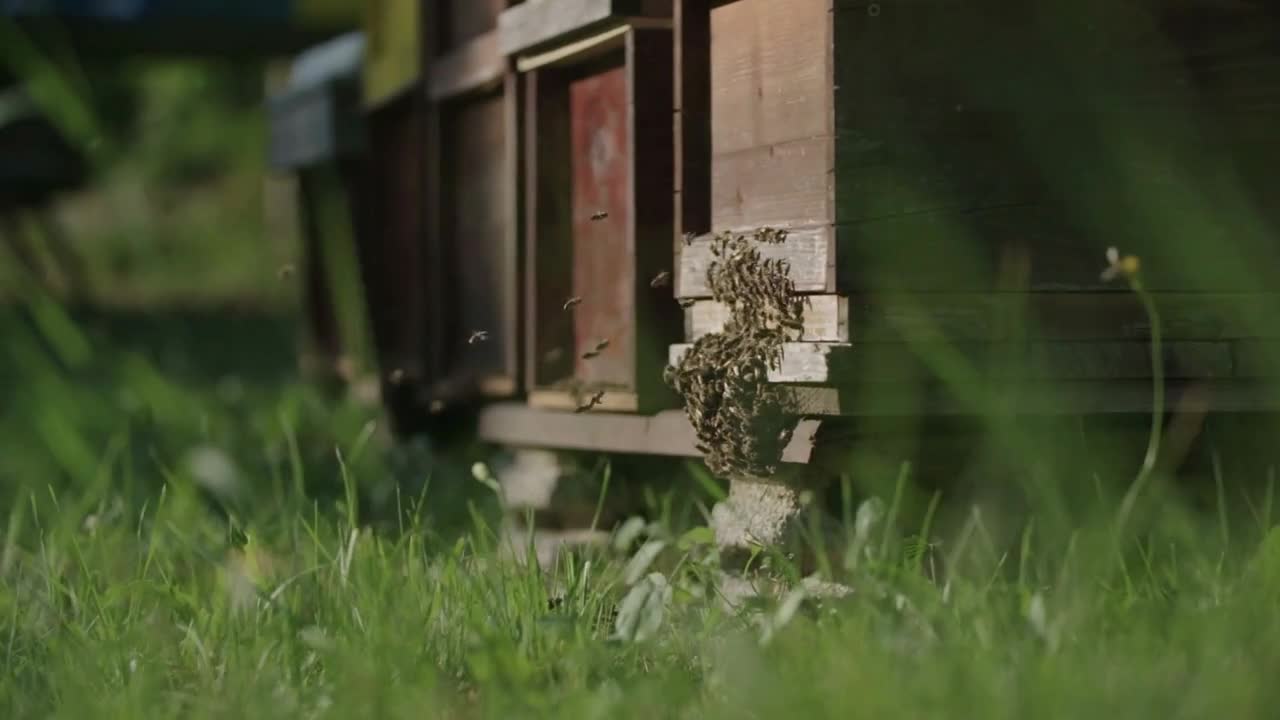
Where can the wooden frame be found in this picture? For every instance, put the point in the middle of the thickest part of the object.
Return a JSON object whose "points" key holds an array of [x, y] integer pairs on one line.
{"points": [[632, 377]]}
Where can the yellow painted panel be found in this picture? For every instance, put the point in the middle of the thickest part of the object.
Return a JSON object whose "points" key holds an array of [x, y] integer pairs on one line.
{"points": [[393, 48], [328, 14]]}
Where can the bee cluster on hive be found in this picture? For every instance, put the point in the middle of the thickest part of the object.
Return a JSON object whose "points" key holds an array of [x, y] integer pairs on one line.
{"points": [[741, 421]]}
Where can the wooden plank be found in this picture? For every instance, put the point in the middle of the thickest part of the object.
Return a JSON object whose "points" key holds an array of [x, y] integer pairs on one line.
{"points": [[826, 319], [788, 185], [823, 363], [475, 65], [814, 363], [771, 73], [538, 22], [809, 251], [666, 433], [692, 117]]}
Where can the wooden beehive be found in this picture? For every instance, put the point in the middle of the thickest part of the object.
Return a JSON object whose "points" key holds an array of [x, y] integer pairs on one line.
{"points": [[474, 241], [951, 173], [597, 87]]}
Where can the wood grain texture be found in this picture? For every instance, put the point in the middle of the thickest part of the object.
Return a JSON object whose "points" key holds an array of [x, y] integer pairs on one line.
{"points": [[538, 22], [826, 319], [665, 433], [771, 73], [787, 185], [475, 65], [809, 251]]}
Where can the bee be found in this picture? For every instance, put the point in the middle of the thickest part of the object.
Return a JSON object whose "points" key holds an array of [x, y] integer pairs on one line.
{"points": [[662, 279], [689, 238], [285, 271], [687, 302], [552, 355], [599, 215], [572, 302], [594, 401], [478, 336], [590, 354], [604, 343], [437, 406], [396, 376]]}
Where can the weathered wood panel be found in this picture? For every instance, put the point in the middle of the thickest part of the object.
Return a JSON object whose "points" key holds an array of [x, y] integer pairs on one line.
{"points": [[809, 251], [474, 65], [787, 185], [826, 319], [771, 73], [603, 264], [815, 363]]}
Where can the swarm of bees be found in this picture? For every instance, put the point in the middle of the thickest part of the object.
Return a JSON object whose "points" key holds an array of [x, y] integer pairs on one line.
{"points": [[741, 422]]}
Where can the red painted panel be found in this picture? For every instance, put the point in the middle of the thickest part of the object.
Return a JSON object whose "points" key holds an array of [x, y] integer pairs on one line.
{"points": [[603, 266]]}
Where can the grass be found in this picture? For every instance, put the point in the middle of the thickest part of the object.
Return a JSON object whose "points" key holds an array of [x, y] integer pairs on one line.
{"points": [[137, 584]]}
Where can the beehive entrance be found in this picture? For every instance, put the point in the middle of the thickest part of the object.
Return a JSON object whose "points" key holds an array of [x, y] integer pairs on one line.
{"points": [[741, 421]]}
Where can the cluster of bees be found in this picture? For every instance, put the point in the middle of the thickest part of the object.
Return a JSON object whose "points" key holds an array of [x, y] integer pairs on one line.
{"points": [[741, 422]]}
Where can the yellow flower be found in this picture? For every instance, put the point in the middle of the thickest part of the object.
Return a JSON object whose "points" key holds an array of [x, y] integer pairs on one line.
{"points": [[1118, 266]]}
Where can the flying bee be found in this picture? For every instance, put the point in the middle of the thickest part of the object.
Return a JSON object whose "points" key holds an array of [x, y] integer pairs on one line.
{"points": [[594, 401], [590, 354], [687, 302], [572, 302], [552, 355], [662, 279], [285, 271], [478, 336], [599, 215], [604, 343], [396, 376], [689, 237]]}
